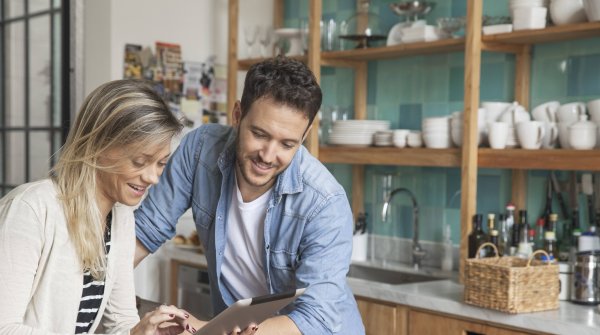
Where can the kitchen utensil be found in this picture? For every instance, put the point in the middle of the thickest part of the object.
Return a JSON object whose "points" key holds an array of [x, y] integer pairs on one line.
{"points": [[573, 193], [561, 200], [586, 278], [597, 198], [548, 206], [587, 188]]}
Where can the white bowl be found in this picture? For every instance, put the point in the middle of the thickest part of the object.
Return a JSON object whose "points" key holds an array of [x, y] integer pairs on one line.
{"points": [[592, 9], [414, 139], [567, 11], [529, 18]]}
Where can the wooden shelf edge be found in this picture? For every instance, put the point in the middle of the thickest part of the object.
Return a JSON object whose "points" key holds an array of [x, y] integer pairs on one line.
{"points": [[400, 50], [554, 159], [557, 159], [547, 35], [390, 156]]}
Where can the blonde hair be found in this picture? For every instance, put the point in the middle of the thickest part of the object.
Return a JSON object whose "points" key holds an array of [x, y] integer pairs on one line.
{"points": [[117, 114]]}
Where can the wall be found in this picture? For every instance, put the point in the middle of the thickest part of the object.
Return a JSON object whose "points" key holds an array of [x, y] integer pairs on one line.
{"points": [[406, 90]]}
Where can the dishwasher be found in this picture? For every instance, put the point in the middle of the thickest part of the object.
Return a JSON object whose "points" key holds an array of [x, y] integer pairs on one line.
{"points": [[193, 292]]}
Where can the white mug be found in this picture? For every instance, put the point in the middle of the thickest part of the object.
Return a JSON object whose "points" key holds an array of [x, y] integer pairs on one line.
{"points": [[594, 110], [546, 111], [498, 134], [551, 136], [530, 134], [569, 113], [563, 134]]}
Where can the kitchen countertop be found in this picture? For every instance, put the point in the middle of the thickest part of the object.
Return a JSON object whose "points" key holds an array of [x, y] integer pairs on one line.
{"points": [[446, 296]]}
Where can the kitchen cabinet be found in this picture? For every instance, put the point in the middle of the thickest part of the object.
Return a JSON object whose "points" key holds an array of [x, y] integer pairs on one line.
{"points": [[381, 317], [469, 157], [421, 322]]}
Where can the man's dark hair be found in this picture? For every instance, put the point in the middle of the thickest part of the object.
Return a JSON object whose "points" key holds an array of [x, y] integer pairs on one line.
{"points": [[285, 81]]}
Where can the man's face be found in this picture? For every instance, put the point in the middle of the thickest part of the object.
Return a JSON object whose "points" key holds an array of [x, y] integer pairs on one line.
{"points": [[268, 137]]}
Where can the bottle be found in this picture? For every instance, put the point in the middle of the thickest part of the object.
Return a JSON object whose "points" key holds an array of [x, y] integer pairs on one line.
{"points": [[550, 245], [524, 248], [574, 244], [447, 259], [564, 248], [538, 242], [503, 239], [477, 235], [513, 233], [491, 223], [494, 240], [553, 222]]}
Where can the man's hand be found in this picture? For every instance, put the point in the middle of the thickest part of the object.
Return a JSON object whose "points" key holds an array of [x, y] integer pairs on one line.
{"points": [[140, 253]]}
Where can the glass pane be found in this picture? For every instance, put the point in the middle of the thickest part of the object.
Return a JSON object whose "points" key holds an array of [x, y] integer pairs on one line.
{"points": [[57, 144], [56, 3], [14, 64], [15, 158], [38, 5], [39, 71], [13, 8], [56, 72], [39, 154]]}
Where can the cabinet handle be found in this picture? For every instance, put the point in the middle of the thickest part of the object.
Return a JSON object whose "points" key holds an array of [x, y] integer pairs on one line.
{"points": [[472, 333]]}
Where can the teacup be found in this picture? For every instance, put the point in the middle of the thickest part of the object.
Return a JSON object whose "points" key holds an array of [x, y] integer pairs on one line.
{"points": [[530, 134], [493, 109], [498, 134], [515, 114], [569, 113], [563, 134], [594, 110], [551, 136], [546, 111]]}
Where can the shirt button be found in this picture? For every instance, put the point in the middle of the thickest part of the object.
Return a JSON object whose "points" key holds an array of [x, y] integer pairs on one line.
{"points": [[268, 247]]}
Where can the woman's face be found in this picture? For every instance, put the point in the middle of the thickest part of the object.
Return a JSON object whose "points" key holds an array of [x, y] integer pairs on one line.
{"points": [[134, 172]]}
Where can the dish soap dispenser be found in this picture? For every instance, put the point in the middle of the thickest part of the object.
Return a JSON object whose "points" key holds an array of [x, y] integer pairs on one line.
{"points": [[447, 259]]}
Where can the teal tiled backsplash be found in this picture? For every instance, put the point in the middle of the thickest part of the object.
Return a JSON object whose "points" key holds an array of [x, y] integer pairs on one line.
{"points": [[405, 90]]}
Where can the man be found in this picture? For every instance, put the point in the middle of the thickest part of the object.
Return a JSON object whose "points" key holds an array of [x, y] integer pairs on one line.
{"points": [[270, 215]]}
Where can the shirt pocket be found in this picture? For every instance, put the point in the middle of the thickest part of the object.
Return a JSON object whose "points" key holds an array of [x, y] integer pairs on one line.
{"points": [[283, 269]]}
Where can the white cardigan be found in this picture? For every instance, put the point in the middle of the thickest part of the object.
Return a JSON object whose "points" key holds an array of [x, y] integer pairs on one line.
{"points": [[40, 275]]}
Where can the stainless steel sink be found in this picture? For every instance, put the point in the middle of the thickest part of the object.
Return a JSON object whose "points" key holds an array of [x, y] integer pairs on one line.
{"points": [[388, 276]]}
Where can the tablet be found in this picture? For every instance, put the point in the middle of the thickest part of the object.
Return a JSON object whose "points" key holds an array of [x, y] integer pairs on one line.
{"points": [[246, 311]]}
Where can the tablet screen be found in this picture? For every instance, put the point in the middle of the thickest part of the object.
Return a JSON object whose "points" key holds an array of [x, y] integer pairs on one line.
{"points": [[246, 311]]}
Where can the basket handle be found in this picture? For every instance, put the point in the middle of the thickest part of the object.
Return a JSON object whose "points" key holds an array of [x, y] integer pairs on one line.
{"points": [[539, 251], [484, 245]]}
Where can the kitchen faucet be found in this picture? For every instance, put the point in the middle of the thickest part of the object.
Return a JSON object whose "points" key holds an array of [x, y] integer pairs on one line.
{"points": [[417, 252]]}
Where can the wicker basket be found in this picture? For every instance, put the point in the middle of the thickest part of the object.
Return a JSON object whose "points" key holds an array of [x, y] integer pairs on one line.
{"points": [[511, 284]]}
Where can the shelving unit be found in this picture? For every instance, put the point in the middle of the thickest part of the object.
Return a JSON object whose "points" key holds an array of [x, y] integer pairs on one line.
{"points": [[469, 157]]}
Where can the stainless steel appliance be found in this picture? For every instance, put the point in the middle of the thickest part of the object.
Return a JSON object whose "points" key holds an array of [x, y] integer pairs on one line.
{"points": [[586, 278], [193, 292]]}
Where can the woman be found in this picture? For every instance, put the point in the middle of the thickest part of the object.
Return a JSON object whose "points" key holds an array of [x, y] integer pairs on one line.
{"points": [[67, 242]]}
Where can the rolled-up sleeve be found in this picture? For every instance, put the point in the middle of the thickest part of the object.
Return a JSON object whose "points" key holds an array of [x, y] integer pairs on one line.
{"points": [[157, 216], [326, 248]]}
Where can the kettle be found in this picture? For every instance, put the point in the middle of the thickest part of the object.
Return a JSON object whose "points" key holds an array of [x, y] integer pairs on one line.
{"points": [[585, 286]]}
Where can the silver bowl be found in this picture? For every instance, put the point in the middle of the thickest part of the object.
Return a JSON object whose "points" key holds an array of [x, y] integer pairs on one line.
{"points": [[412, 9]]}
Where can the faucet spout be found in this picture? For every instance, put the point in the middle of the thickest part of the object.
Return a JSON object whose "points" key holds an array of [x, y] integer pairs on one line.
{"points": [[418, 253]]}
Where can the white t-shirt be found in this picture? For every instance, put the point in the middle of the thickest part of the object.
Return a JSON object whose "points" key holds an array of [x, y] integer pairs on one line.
{"points": [[243, 267]]}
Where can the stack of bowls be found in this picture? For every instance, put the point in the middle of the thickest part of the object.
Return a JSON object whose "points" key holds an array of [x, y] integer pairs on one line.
{"points": [[529, 14], [456, 127], [383, 138], [592, 9], [567, 12], [436, 132]]}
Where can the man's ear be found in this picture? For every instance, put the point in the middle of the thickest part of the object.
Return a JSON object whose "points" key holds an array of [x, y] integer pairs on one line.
{"points": [[236, 114]]}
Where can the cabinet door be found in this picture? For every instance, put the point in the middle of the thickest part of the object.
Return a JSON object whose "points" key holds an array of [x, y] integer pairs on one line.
{"points": [[433, 324], [382, 318]]}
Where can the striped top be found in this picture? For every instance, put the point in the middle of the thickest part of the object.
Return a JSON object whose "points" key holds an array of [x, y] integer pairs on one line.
{"points": [[93, 291]]}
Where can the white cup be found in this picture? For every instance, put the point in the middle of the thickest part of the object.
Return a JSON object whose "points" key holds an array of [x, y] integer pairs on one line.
{"points": [[399, 137], [546, 111], [563, 134], [530, 134], [414, 139], [551, 136], [359, 247], [570, 112], [498, 134], [493, 109], [593, 107]]}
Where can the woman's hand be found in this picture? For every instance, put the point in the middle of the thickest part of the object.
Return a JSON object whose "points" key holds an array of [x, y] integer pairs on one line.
{"points": [[164, 320]]}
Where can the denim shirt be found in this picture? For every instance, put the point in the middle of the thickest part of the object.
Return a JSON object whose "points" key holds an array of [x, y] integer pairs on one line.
{"points": [[307, 234]]}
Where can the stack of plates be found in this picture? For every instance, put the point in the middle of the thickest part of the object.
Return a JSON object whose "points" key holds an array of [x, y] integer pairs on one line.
{"points": [[356, 132]]}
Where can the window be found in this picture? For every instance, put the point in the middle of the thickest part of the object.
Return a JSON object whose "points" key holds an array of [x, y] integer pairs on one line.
{"points": [[34, 87]]}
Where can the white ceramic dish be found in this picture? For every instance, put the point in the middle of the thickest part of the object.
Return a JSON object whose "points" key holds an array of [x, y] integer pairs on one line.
{"points": [[497, 29]]}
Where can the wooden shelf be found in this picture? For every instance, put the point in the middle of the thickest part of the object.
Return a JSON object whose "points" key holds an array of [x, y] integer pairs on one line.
{"points": [[396, 51], [546, 35], [245, 64], [390, 156], [557, 159]]}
